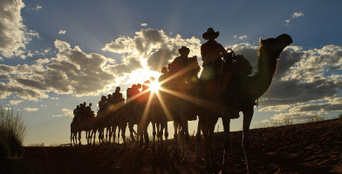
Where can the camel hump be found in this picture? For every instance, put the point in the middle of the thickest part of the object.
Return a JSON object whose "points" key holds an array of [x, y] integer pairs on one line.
{"points": [[243, 65]]}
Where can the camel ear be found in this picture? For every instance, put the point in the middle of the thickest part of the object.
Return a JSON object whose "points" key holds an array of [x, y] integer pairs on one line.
{"points": [[261, 41]]}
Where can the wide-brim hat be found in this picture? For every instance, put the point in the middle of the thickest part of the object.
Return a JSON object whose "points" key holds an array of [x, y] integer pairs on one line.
{"points": [[210, 34], [184, 50]]}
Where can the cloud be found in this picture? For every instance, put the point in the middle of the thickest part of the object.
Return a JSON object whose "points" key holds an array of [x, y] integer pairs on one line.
{"points": [[287, 21], [71, 72], [297, 14], [31, 109], [74, 72], [294, 15], [16, 102], [144, 24], [62, 32], [38, 7], [153, 47], [307, 83], [241, 37], [66, 113], [14, 35]]}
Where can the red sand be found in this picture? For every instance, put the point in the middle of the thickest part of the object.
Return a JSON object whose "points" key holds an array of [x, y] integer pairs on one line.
{"points": [[304, 148]]}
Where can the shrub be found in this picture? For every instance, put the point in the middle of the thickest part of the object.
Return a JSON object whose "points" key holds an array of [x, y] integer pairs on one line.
{"points": [[315, 119], [284, 122], [12, 132], [340, 117]]}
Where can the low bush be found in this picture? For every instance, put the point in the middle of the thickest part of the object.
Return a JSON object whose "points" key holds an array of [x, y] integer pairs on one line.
{"points": [[12, 132]]}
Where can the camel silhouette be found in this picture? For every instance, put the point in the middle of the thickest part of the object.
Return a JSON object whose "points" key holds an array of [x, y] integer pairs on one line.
{"points": [[251, 89]]}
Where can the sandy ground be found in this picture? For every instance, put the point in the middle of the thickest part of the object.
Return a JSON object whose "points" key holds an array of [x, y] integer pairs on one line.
{"points": [[305, 148]]}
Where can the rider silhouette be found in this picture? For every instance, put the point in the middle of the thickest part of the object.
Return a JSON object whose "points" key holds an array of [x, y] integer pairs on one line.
{"points": [[212, 52], [187, 69], [212, 55]]}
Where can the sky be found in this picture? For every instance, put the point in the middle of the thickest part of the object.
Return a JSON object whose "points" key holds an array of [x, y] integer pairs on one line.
{"points": [[57, 54]]}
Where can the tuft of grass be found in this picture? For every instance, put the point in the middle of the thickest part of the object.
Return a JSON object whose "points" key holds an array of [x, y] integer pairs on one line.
{"points": [[12, 133], [315, 119], [284, 122]]}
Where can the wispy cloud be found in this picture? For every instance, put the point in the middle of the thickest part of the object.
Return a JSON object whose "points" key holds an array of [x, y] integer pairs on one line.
{"points": [[297, 14], [241, 37], [38, 7], [144, 24], [31, 109], [294, 15], [62, 32], [16, 102], [66, 113]]}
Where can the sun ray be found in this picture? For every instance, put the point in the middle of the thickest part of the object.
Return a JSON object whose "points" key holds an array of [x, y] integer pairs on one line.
{"points": [[164, 107]]}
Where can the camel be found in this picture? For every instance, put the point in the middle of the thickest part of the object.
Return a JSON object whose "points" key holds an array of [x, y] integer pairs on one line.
{"points": [[77, 127], [85, 122], [252, 87], [118, 119], [176, 103]]}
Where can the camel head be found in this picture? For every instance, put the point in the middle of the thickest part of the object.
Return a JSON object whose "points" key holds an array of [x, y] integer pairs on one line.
{"points": [[272, 47]]}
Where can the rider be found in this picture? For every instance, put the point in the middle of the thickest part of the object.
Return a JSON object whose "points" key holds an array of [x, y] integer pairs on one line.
{"points": [[88, 112], [212, 54], [117, 96], [102, 103], [187, 69], [76, 113], [163, 77]]}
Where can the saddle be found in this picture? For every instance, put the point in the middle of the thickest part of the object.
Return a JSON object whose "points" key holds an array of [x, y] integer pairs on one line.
{"points": [[234, 72]]}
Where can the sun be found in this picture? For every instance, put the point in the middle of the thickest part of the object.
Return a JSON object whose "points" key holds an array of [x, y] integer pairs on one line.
{"points": [[154, 86]]}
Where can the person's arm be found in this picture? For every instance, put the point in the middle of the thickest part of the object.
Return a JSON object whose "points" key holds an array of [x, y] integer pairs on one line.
{"points": [[222, 50]]}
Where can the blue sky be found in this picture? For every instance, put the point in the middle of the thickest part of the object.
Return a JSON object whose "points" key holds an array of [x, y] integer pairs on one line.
{"points": [[56, 54]]}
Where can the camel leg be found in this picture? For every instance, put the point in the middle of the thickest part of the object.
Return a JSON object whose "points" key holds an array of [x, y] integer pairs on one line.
{"points": [[208, 131], [89, 137], [79, 137], [75, 138], [154, 125], [210, 139], [175, 136], [131, 130], [94, 136], [101, 135], [114, 134], [166, 134], [226, 127], [119, 130], [185, 140], [147, 141], [198, 140], [140, 135], [71, 137], [159, 133], [86, 136], [247, 118], [109, 133], [123, 135], [160, 128]]}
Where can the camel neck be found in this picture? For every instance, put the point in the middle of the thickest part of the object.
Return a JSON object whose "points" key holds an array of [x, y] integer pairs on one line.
{"points": [[261, 81]]}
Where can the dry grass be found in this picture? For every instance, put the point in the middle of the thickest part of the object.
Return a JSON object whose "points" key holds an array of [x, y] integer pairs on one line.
{"points": [[12, 132]]}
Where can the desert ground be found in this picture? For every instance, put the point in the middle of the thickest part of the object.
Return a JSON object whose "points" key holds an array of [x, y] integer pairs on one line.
{"points": [[314, 147]]}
